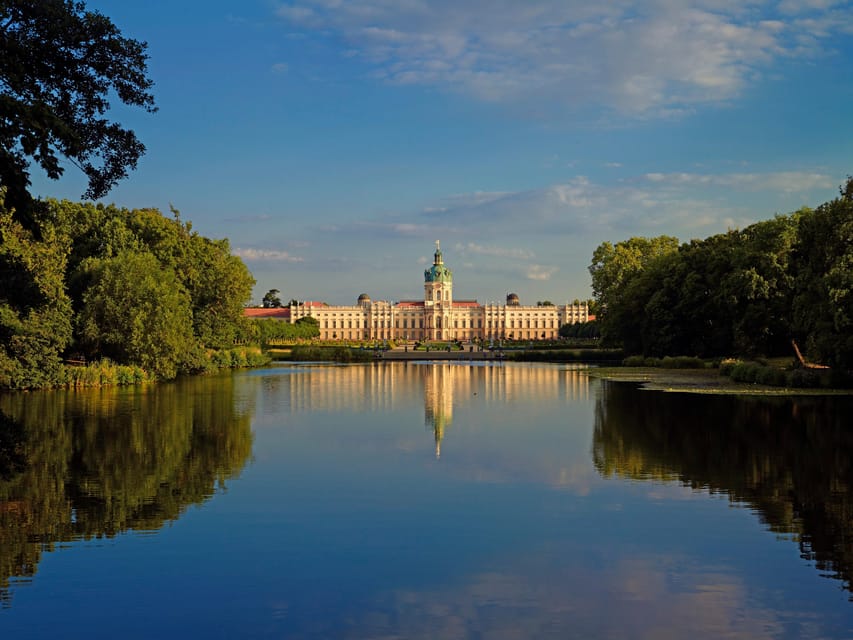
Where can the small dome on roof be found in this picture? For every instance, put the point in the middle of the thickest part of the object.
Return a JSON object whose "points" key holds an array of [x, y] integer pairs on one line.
{"points": [[363, 299], [512, 300]]}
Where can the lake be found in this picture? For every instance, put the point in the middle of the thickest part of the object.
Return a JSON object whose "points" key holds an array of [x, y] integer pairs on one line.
{"points": [[423, 500]]}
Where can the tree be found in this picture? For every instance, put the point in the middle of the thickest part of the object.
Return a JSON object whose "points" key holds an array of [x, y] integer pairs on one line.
{"points": [[613, 269], [271, 299], [35, 312], [823, 264], [137, 312], [59, 67], [224, 287]]}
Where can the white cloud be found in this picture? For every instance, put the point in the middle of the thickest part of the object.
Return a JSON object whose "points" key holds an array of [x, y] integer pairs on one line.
{"points": [[540, 272], [640, 57], [672, 203], [499, 252], [784, 181], [265, 255], [280, 68]]}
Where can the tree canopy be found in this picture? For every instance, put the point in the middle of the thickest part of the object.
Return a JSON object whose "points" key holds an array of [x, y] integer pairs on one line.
{"points": [[744, 292], [271, 300], [136, 311], [60, 65], [100, 281]]}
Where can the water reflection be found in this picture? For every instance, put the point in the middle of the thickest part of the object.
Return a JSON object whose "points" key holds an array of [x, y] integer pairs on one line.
{"points": [[82, 465], [538, 519], [446, 387], [789, 459]]}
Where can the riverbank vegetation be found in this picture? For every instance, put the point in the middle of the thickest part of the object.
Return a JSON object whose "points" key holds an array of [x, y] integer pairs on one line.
{"points": [[107, 286], [564, 355], [747, 293]]}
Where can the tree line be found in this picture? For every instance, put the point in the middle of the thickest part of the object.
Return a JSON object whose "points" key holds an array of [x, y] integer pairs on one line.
{"points": [[90, 281], [744, 292]]}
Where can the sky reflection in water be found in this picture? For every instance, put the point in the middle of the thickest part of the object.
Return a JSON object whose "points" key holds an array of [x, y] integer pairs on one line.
{"points": [[426, 501]]}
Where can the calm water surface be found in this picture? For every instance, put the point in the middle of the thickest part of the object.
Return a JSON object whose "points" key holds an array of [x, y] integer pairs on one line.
{"points": [[417, 500]]}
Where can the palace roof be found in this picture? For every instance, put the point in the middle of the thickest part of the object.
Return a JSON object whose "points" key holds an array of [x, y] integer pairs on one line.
{"points": [[272, 312]]}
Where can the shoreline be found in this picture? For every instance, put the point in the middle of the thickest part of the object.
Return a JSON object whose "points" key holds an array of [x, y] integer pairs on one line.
{"points": [[705, 381]]}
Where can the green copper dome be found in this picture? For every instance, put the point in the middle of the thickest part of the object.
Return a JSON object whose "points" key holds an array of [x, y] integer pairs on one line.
{"points": [[438, 272]]}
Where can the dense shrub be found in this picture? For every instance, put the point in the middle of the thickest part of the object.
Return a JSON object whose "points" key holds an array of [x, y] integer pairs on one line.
{"points": [[727, 365], [768, 375], [744, 372], [803, 379], [771, 376]]}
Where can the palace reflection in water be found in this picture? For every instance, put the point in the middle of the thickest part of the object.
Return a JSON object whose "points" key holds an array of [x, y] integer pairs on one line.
{"points": [[445, 385]]}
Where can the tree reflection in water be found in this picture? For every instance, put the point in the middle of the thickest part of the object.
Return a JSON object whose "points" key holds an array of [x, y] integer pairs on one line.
{"points": [[789, 459], [91, 464]]}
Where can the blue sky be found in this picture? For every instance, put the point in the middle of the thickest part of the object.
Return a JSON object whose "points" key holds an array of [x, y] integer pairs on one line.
{"points": [[334, 141]]}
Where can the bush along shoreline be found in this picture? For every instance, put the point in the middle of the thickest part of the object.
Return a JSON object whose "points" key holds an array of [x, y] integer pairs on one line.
{"points": [[795, 377], [104, 373], [763, 372]]}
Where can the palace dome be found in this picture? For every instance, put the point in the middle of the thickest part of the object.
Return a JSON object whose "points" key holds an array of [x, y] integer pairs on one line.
{"points": [[438, 272], [512, 300]]}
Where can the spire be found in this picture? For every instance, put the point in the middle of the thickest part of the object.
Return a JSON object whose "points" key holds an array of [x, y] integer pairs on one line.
{"points": [[438, 258]]}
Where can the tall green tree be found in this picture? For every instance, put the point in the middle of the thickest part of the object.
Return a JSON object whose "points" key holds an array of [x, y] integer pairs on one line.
{"points": [[223, 289], [613, 269], [823, 300], [137, 312], [219, 284], [271, 299], [60, 67], [35, 312]]}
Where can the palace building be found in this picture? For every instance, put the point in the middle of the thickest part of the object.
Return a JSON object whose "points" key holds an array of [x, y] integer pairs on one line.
{"points": [[437, 317]]}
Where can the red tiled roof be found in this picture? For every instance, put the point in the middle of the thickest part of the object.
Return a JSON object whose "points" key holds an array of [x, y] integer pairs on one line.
{"points": [[410, 303], [255, 312], [466, 303]]}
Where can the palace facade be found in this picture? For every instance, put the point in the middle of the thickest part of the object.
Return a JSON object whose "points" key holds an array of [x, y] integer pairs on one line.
{"points": [[437, 317]]}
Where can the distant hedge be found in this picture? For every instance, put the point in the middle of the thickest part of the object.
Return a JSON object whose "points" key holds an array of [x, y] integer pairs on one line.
{"points": [[310, 353], [669, 362], [567, 355]]}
